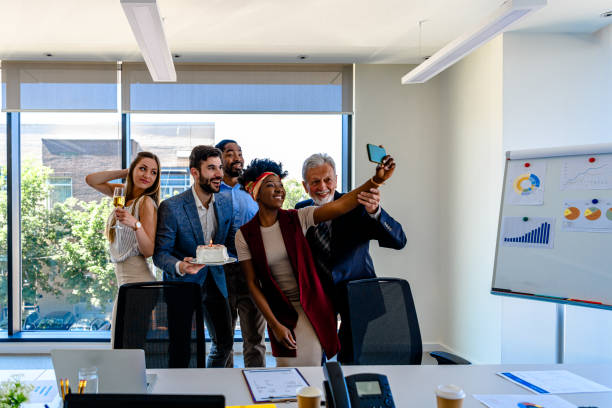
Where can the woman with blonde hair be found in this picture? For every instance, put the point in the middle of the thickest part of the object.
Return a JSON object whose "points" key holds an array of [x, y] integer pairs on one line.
{"points": [[131, 227]]}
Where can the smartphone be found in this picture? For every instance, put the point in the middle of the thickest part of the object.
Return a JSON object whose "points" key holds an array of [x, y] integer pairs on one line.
{"points": [[376, 153]]}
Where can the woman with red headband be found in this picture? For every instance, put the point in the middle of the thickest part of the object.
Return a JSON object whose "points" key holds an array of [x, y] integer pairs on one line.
{"points": [[279, 268]]}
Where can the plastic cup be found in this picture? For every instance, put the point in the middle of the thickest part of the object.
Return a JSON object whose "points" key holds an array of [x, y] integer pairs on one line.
{"points": [[449, 396], [308, 397], [90, 375]]}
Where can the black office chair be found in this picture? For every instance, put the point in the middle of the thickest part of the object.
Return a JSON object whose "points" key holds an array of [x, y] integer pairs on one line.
{"points": [[143, 401], [384, 325], [164, 319]]}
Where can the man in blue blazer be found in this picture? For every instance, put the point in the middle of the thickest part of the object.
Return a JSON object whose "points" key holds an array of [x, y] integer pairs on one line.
{"points": [[196, 217], [341, 247]]}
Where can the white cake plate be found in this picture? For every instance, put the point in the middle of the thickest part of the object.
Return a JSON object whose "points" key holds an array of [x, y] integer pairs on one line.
{"points": [[229, 260]]}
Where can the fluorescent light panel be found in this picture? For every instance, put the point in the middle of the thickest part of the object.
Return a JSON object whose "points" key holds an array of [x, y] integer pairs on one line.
{"points": [[510, 12], [146, 23]]}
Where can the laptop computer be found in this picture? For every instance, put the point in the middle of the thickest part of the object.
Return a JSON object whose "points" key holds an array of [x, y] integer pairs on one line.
{"points": [[119, 371], [143, 401]]}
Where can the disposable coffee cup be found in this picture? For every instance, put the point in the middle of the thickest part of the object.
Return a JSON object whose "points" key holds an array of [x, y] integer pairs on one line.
{"points": [[449, 396], [308, 397]]}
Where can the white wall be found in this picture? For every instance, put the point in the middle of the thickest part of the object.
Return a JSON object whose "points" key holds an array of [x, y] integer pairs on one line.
{"points": [[405, 120], [448, 136], [557, 92], [470, 158]]}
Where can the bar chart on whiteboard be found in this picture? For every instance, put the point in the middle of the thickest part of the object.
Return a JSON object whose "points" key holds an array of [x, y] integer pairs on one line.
{"points": [[525, 232]]}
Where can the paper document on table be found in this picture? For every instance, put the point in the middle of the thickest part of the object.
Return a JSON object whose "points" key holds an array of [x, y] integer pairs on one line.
{"points": [[523, 401], [274, 384], [253, 406], [553, 382], [45, 391]]}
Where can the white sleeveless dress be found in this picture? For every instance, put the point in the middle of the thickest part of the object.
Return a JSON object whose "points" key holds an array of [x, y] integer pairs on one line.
{"points": [[130, 264]]}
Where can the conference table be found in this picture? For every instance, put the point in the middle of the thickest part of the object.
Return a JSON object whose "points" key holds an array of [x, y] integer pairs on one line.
{"points": [[412, 386]]}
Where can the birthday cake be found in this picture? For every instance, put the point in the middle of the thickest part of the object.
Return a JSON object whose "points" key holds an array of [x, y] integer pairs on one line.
{"points": [[211, 253]]}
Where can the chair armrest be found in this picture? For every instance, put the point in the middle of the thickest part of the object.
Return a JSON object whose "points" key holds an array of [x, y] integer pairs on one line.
{"points": [[444, 358]]}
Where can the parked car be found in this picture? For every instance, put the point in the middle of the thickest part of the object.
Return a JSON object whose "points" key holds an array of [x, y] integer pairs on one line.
{"points": [[58, 320], [105, 326], [87, 324], [27, 322], [30, 321]]}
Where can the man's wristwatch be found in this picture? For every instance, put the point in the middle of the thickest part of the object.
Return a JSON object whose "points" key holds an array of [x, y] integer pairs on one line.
{"points": [[137, 226]]}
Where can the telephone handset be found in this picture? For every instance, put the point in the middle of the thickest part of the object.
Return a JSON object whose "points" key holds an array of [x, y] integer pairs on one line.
{"points": [[357, 390]]}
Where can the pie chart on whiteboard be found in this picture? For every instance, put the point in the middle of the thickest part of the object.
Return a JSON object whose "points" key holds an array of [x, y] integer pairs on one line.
{"points": [[571, 213], [592, 213]]}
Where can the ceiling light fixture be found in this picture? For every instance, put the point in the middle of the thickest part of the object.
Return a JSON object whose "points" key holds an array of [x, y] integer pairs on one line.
{"points": [[510, 12], [146, 23]]}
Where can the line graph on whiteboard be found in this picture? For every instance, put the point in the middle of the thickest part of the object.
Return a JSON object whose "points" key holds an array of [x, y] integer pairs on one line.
{"points": [[587, 173]]}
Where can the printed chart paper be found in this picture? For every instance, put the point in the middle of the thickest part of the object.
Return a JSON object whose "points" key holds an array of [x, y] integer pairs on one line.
{"points": [[587, 173], [274, 384], [523, 401], [586, 216], [536, 232], [45, 391], [525, 183], [553, 382]]}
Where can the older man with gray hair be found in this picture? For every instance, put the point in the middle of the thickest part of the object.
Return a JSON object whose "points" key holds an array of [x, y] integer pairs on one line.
{"points": [[341, 247]]}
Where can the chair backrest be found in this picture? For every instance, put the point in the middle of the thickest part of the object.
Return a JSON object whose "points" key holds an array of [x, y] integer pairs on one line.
{"points": [[143, 401], [164, 319], [383, 321]]}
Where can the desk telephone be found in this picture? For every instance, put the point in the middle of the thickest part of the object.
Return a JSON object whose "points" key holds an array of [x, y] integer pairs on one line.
{"points": [[357, 390]]}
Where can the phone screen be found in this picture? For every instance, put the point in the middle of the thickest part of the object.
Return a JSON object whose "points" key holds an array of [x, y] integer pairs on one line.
{"points": [[376, 153]]}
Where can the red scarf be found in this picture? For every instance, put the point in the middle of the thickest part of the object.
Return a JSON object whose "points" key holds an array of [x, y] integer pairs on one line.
{"points": [[315, 302]]}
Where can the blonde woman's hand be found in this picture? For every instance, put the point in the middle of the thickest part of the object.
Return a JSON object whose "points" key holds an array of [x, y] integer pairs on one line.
{"points": [[125, 217]]}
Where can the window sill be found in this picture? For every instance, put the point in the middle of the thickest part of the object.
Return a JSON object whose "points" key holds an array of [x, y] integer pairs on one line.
{"points": [[55, 336]]}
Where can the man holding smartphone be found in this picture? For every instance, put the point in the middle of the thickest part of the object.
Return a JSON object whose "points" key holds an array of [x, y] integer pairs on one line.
{"points": [[341, 247]]}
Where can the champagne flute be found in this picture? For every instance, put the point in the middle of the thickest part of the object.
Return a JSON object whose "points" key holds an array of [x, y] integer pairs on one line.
{"points": [[118, 202]]}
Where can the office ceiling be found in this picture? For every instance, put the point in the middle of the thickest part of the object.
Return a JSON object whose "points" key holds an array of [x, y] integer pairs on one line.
{"points": [[361, 31]]}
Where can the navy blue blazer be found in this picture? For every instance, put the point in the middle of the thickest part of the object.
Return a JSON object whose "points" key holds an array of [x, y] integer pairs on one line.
{"points": [[179, 232], [350, 241]]}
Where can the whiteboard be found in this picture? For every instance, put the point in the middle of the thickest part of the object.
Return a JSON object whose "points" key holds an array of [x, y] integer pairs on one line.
{"points": [[554, 239]]}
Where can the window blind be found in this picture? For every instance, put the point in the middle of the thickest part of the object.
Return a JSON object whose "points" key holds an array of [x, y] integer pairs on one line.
{"points": [[260, 88], [59, 86]]}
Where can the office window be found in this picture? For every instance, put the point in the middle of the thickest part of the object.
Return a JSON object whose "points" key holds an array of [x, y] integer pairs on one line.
{"points": [[285, 138], [67, 279]]}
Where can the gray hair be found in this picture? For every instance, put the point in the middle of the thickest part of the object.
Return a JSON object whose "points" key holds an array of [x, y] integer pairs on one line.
{"points": [[316, 160]]}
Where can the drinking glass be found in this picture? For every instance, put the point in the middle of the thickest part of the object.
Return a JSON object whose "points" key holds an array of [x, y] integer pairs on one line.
{"points": [[118, 201], [90, 376]]}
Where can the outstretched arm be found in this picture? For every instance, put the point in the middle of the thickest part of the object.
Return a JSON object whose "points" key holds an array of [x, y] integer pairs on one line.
{"points": [[350, 200], [100, 180]]}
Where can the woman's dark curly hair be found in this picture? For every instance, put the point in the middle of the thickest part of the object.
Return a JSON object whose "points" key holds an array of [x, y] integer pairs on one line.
{"points": [[258, 167]]}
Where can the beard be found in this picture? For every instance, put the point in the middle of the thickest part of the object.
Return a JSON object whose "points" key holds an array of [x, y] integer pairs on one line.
{"points": [[206, 186], [322, 201], [233, 171]]}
